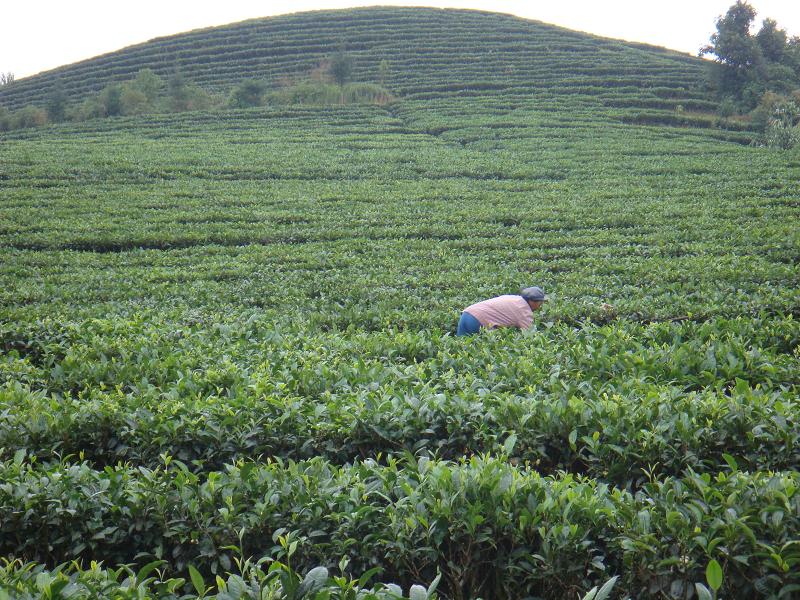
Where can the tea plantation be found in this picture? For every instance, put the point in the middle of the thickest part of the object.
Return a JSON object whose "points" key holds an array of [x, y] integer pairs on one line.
{"points": [[228, 366]]}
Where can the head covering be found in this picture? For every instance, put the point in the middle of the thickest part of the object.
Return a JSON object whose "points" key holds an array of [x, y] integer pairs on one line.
{"points": [[535, 294]]}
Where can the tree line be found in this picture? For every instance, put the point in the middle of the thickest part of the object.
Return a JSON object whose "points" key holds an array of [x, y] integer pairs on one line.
{"points": [[147, 93], [757, 73]]}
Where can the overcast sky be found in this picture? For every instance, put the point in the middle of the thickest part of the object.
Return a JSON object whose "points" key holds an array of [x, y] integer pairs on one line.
{"points": [[38, 35]]}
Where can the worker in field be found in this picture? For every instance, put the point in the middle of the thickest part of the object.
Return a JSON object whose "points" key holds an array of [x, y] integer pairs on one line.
{"points": [[510, 310]]}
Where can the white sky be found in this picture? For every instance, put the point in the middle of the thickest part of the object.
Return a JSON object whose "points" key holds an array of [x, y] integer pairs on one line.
{"points": [[37, 35]]}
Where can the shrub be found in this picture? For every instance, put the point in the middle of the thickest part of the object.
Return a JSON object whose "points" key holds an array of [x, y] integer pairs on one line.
{"points": [[326, 93], [366, 93], [780, 134], [247, 94], [777, 118], [199, 99], [763, 112], [341, 68], [56, 105], [111, 100], [134, 102], [30, 116], [149, 84], [184, 96], [91, 108], [178, 90], [727, 108]]}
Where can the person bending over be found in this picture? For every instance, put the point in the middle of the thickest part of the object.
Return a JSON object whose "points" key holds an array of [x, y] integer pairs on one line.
{"points": [[510, 310]]}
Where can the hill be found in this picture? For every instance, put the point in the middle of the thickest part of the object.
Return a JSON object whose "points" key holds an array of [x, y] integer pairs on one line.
{"points": [[430, 52], [228, 334]]}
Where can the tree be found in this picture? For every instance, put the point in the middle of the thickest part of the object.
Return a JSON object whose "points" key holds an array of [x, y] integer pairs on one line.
{"points": [[133, 101], [148, 84], [91, 108], [771, 41], [748, 65], [178, 89], [30, 116], [732, 44], [111, 100], [56, 104], [248, 94], [6, 78], [5, 119], [791, 54], [341, 68]]}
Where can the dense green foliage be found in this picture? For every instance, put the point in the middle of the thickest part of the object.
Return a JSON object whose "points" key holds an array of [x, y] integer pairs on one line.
{"points": [[147, 93], [748, 65], [226, 338]]}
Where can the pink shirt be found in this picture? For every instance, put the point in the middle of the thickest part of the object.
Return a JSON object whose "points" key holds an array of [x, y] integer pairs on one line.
{"points": [[503, 311]]}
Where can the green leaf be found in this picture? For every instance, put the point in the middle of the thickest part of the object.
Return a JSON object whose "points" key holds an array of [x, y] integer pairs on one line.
{"points": [[702, 592], [197, 581], [43, 581], [147, 569], [365, 577], [731, 462], [316, 578], [508, 445], [714, 575], [787, 590], [246, 471], [394, 590], [591, 594], [605, 591], [417, 592], [57, 586], [434, 584], [602, 593]]}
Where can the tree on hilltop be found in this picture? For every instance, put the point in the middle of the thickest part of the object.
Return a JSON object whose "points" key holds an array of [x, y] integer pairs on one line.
{"points": [[6, 78]]}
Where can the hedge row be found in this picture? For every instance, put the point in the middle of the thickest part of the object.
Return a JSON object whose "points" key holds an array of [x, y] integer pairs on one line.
{"points": [[489, 528]]}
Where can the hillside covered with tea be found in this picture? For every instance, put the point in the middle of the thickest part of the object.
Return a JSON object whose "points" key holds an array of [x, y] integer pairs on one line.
{"points": [[430, 52], [227, 351]]}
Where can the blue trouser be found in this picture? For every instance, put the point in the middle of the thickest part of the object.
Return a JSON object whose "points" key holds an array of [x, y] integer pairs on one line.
{"points": [[468, 325]]}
